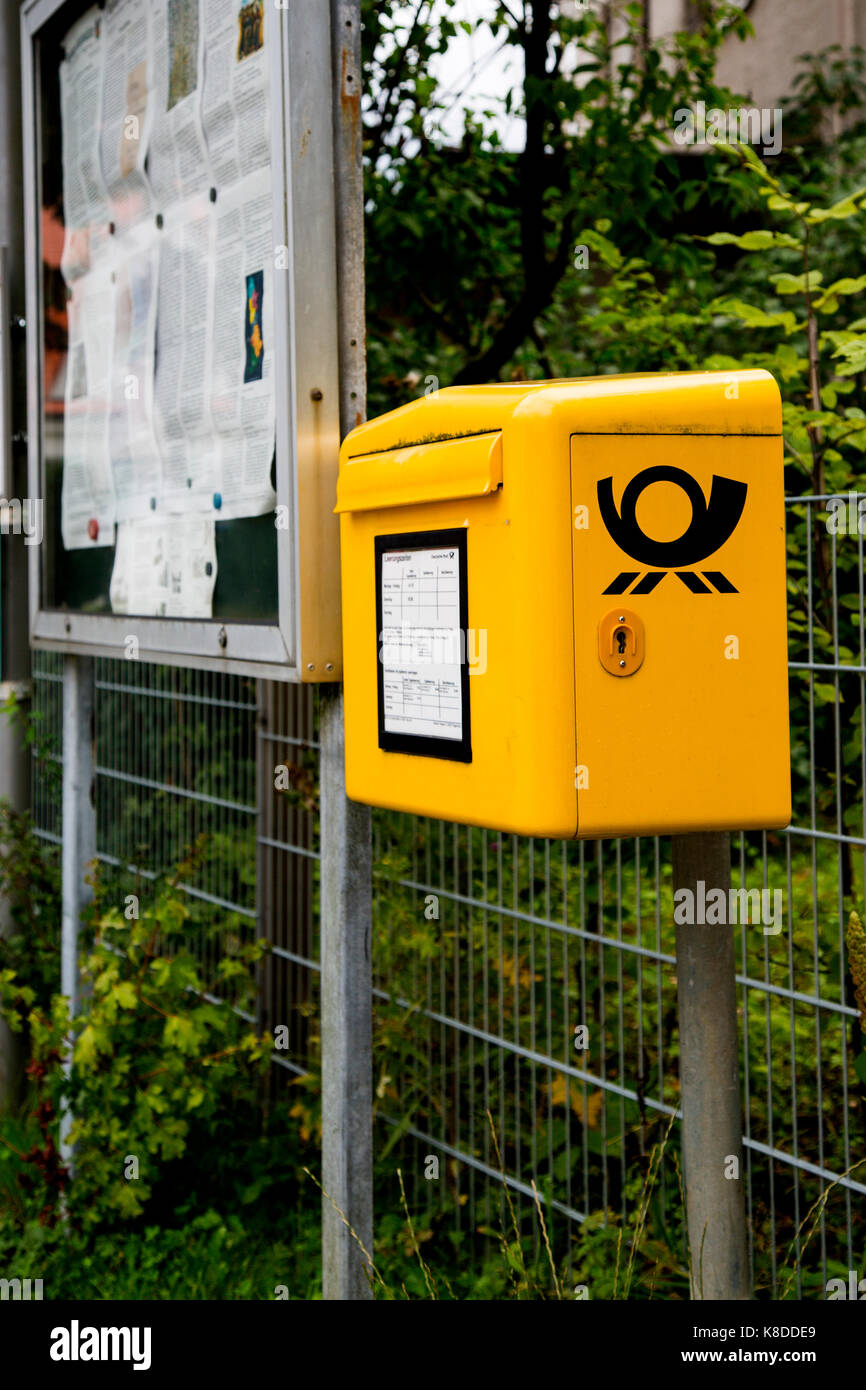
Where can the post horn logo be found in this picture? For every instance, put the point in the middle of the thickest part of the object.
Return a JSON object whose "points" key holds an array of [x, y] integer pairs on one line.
{"points": [[713, 522]]}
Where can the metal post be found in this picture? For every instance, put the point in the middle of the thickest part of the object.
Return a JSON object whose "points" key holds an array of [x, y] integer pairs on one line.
{"points": [[347, 1092], [79, 828], [710, 1080], [347, 1083], [14, 652], [14, 787]]}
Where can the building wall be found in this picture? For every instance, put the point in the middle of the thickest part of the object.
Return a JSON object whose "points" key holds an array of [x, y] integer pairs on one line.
{"points": [[764, 67]]}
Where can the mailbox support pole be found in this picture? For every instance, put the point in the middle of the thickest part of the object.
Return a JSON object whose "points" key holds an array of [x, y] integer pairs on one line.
{"points": [[346, 885], [79, 831], [710, 1080]]}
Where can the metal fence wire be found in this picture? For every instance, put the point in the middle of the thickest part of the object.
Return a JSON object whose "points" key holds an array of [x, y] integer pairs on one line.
{"points": [[525, 990]]}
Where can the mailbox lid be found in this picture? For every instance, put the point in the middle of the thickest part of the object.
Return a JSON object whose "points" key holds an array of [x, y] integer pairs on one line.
{"points": [[470, 466], [736, 402]]}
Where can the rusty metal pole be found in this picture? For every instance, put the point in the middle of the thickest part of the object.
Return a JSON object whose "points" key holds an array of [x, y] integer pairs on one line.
{"points": [[347, 1079], [710, 1079]]}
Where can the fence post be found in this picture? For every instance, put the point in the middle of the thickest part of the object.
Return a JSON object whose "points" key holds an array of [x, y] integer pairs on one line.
{"points": [[79, 831], [710, 1080], [347, 1085]]}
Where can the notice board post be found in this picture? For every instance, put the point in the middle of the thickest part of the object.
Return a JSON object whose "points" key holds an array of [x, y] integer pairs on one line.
{"points": [[710, 1080], [79, 832], [14, 656], [347, 1139]]}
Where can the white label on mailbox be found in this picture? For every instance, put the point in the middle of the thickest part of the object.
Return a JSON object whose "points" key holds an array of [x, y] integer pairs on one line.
{"points": [[421, 643]]}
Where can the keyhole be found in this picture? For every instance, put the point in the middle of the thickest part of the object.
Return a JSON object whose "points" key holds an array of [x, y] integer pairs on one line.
{"points": [[620, 641]]}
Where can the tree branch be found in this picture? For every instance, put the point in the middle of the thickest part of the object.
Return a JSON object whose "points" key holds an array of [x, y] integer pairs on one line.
{"points": [[393, 84]]}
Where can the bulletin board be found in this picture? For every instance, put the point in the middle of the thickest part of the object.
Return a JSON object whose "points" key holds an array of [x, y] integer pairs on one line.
{"points": [[182, 344]]}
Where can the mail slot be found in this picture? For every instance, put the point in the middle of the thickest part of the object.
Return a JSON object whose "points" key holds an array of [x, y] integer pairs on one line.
{"points": [[564, 606]]}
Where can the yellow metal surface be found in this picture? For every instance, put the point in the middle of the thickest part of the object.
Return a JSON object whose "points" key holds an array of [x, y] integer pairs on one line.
{"points": [[421, 473], [698, 737], [319, 655], [686, 471]]}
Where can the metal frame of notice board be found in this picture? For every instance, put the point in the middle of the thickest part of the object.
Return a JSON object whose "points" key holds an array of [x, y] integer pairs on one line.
{"points": [[305, 642]]}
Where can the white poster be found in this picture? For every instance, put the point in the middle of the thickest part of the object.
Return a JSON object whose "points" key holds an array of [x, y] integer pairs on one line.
{"points": [[164, 568], [86, 213], [136, 464], [87, 501], [187, 442], [242, 375], [178, 165], [235, 104], [127, 110]]}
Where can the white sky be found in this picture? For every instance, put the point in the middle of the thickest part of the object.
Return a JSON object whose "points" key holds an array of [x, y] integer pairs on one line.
{"points": [[473, 74]]}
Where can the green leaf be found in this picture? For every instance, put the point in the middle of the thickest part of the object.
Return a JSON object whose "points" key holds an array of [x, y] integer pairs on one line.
{"points": [[778, 202], [786, 283], [846, 207], [180, 1032], [759, 240], [825, 693], [787, 363], [847, 285], [853, 354], [86, 1051], [753, 317], [125, 995]]}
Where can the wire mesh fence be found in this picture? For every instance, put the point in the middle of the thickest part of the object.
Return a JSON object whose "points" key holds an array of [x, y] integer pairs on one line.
{"points": [[525, 991]]}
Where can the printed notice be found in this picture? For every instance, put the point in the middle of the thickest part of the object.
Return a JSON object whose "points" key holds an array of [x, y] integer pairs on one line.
{"points": [[164, 568], [421, 643]]}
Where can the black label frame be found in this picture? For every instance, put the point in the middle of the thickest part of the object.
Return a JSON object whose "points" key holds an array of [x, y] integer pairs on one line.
{"points": [[419, 745]]}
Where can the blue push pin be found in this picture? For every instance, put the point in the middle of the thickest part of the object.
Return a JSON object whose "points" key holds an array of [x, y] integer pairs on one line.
{"points": [[217, 500], [153, 504]]}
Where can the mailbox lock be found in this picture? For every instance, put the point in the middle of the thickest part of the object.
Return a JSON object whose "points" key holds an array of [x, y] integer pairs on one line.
{"points": [[621, 642]]}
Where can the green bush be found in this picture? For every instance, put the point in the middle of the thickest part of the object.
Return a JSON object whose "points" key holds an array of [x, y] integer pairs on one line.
{"points": [[149, 1065]]}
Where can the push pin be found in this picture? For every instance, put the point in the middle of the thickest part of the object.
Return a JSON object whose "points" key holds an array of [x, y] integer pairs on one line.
{"points": [[93, 529], [217, 500]]}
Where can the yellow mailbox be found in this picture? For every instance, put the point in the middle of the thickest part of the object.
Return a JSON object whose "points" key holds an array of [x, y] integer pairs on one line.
{"points": [[564, 606]]}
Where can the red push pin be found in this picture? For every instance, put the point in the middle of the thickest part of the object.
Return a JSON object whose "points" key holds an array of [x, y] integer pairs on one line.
{"points": [[93, 528]]}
